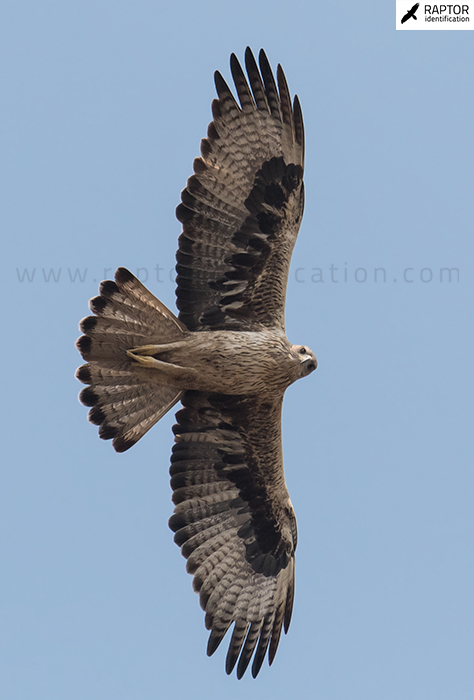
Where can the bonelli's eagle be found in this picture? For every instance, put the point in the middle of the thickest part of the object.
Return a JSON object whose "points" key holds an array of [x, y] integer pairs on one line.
{"points": [[225, 357]]}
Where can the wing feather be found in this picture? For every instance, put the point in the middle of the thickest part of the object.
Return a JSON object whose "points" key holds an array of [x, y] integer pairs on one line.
{"points": [[226, 104], [270, 85], [233, 520], [243, 91], [242, 208], [285, 99], [249, 647], [299, 127], [256, 83]]}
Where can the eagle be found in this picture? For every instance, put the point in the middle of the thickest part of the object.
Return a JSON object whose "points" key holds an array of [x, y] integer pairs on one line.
{"points": [[225, 356]]}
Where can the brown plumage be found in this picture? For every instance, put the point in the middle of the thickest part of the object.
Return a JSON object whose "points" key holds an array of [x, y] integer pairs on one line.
{"points": [[226, 357]]}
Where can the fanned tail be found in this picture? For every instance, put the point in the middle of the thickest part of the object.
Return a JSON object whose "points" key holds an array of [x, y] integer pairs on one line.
{"points": [[126, 399]]}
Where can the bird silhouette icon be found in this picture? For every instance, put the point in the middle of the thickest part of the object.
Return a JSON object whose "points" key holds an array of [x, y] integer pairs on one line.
{"points": [[411, 13]]}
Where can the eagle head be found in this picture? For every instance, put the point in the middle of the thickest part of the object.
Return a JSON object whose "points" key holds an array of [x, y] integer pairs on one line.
{"points": [[305, 358]]}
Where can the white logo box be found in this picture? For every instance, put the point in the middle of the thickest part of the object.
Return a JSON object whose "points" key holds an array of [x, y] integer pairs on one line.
{"points": [[423, 16]]}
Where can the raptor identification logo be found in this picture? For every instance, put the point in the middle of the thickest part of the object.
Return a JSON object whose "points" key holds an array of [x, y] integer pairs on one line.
{"points": [[426, 16]]}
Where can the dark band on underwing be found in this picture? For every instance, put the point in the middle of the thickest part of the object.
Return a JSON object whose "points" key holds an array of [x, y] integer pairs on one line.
{"points": [[274, 183], [234, 298], [233, 464]]}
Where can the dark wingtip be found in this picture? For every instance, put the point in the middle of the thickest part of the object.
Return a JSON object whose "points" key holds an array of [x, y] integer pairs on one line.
{"points": [[96, 415], [213, 643], [123, 275], [256, 667], [264, 63], [230, 662], [98, 304], [107, 288], [241, 669], [222, 87], [259, 657], [106, 431], [250, 62], [289, 608], [234, 61], [121, 444], [219, 81]]}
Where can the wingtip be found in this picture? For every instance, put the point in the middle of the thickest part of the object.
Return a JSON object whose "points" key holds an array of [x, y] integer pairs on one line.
{"points": [[122, 275], [233, 60], [219, 82], [122, 444]]}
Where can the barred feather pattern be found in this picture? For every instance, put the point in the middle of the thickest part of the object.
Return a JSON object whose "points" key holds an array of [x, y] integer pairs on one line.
{"points": [[234, 523], [242, 208], [126, 400]]}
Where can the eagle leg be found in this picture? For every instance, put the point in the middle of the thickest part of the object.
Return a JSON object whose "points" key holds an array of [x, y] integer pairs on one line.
{"points": [[157, 349], [145, 356]]}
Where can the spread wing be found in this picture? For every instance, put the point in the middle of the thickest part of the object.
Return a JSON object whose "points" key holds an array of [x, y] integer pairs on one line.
{"points": [[242, 208], [234, 521]]}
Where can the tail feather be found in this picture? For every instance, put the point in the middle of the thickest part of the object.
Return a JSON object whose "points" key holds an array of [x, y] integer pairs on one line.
{"points": [[125, 399]]}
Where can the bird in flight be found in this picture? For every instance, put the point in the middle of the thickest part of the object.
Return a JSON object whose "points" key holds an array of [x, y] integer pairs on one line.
{"points": [[225, 356], [411, 13]]}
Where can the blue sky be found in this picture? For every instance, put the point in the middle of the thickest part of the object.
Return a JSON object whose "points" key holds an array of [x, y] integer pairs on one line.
{"points": [[104, 105]]}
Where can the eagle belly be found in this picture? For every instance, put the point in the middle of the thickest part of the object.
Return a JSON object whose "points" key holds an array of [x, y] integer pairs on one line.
{"points": [[232, 362]]}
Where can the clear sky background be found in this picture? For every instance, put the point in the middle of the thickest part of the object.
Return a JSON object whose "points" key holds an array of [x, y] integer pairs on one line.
{"points": [[103, 108]]}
